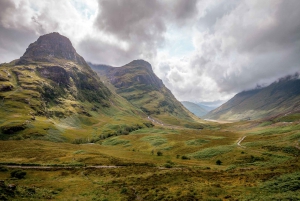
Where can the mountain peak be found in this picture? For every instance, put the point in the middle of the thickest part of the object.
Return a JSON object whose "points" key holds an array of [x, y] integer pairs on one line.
{"points": [[49, 46], [140, 62]]}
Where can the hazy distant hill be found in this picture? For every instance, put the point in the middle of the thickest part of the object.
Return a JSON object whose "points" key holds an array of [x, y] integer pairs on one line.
{"points": [[195, 108], [137, 83], [280, 97], [206, 107]]}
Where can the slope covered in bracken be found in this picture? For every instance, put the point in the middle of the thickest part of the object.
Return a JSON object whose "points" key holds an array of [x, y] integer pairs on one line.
{"points": [[281, 97]]}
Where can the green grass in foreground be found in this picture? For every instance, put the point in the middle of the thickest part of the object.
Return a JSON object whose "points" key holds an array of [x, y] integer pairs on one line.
{"points": [[265, 168]]}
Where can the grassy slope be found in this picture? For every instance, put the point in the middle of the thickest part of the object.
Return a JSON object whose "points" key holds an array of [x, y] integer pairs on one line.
{"points": [[280, 97], [38, 108], [140, 86], [268, 157]]}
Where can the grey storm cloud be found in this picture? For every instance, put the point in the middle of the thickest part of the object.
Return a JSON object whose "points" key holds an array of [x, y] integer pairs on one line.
{"points": [[5, 7], [14, 37], [142, 20], [236, 45], [142, 24], [246, 43], [214, 13], [130, 19], [184, 10], [105, 53]]}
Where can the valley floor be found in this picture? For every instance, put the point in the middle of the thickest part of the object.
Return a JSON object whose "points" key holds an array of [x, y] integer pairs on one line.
{"points": [[236, 161]]}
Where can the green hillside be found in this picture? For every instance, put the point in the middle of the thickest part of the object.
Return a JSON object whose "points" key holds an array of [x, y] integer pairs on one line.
{"points": [[194, 108], [138, 84], [51, 93], [67, 133], [282, 97]]}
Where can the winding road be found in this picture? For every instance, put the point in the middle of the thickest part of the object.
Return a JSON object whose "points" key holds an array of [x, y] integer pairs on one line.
{"points": [[240, 140], [60, 167]]}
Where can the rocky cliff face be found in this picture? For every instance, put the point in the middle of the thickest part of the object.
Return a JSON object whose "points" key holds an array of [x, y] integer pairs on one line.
{"points": [[55, 73], [51, 46]]}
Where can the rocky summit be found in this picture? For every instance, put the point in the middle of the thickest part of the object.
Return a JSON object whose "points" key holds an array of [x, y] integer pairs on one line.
{"points": [[140, 72], [49, 47]]}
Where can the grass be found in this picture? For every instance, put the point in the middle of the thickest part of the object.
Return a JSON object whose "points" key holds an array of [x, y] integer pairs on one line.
{"points": [[197, 142], [156, 130], [251, 173], [155, 140], [211, 152], [284, 187], [277, 130], [116, 141], [148, 183], [289, 118], [81, 133]]}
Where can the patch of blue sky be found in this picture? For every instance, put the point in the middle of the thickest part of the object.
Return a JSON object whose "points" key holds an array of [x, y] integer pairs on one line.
{"points": [[178, 43], [83, 9]]}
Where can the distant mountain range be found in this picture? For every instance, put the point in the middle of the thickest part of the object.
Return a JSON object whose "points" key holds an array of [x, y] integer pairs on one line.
{"points": [[196, 109], [208, 108], [281, 97]]}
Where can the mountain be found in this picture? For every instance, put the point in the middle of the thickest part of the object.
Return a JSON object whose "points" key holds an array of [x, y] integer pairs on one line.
{"points": [[207, 107], [138, 84], [194, 108], [280, 97], [51, 93], [52, 47]]}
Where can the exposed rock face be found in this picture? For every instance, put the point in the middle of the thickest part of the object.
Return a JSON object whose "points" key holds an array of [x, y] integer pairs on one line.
{"points": [[55, 73], [5, 87], [50, 46]]}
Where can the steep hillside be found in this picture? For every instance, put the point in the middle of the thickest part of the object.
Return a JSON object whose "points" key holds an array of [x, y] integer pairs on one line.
{"points": [[51, 93], [137, 83], [194, 108], [278, 98]]}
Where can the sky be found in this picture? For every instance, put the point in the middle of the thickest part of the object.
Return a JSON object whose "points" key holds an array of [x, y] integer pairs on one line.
{"points": [[203, 50]]}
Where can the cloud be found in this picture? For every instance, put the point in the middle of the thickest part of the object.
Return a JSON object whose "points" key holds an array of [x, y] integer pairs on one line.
{"points": [[184, 10], [99, 51], [15, 31], [138, 23], [238, 45], [23, 21], [143, 25], [255, 42], [202, 50]]}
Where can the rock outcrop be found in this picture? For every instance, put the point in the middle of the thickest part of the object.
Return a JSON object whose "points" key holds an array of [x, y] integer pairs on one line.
{"points": [[51, 46]]}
